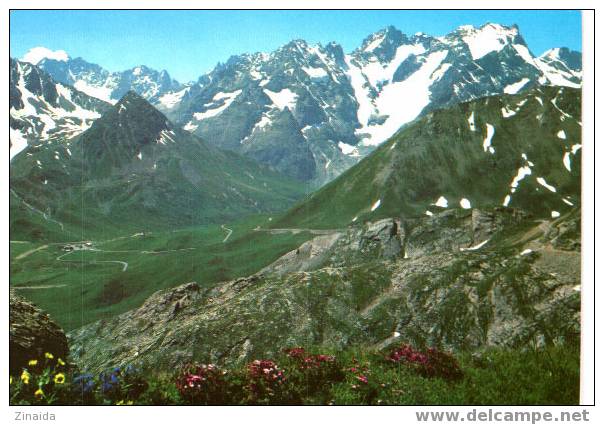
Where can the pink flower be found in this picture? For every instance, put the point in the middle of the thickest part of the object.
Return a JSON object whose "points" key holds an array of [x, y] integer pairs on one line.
{"points": [[363, 379]]}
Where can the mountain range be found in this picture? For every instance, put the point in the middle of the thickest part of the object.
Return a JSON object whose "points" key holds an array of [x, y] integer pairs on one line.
{"points": [[133, 166], [312, 111]]}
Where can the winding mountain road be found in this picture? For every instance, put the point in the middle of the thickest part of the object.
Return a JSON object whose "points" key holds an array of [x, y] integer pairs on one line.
{"points": [[124, 264], [31, 251], [229, 233], [295, 231]]}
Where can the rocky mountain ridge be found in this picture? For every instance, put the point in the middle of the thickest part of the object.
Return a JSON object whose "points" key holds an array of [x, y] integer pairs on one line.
{"points": [[42, 109], [313, 111], [375, 284]]}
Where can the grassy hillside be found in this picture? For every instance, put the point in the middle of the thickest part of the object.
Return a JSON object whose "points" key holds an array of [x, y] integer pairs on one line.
{"points": [[82, 286], [446, 154]]}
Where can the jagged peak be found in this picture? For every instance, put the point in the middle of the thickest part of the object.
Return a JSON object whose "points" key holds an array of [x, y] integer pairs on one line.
{"points": [[558, 53], [295, 44], [570, 58], [376, 39], [489, 26], [132, 121], [489, 37], [132, 97], [133, 104]]}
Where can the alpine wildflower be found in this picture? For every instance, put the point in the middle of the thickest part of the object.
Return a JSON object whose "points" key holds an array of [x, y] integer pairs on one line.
{"points": [[59, 378], [60, 362], [49, 356], [25, 377], [39, 393], [32, 362]]}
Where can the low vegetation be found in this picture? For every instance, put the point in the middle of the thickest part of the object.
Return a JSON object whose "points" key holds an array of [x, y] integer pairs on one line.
{"points": [[83, 286], [403, 375]]}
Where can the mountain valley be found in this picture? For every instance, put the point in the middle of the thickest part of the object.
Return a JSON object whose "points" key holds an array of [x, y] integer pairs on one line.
{"points": [[416, 193]]}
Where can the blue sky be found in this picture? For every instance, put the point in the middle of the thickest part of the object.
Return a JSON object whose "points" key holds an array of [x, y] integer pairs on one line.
{"points": [[189, 43]]}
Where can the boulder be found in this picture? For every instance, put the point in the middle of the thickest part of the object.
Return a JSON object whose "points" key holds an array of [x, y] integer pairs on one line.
{"points": [[32, 333]]}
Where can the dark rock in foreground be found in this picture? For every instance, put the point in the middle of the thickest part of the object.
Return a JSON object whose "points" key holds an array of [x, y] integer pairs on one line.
{"points": [[32, 333]]}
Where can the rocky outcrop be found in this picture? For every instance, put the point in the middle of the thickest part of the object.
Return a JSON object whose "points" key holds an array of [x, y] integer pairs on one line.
{"points": [[32, 333], [307, 256], [384, 238], [356, 287]]}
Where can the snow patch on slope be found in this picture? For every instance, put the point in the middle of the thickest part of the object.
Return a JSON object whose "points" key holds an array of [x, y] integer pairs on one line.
{"points": [[315, 72], [486, 144], [522, 173], [471, 122], [227, 99], [515, 87], [282, 99], [348, 149], [441, 202], [566, 160], [391, 102], [18, 142], [103, 92], [170, 100], [543, 183], [482, 41], [376, 205], [475, 247]]}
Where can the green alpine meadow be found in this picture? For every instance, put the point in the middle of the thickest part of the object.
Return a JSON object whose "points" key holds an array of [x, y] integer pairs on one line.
{"points": [[392, 223]]}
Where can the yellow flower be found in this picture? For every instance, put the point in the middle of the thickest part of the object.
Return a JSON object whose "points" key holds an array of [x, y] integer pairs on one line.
{"points": [[120, 403], [25, 377], [60, 362], [32, 362], [49, 356], [39, 393], [59, 378], [11, 380]]}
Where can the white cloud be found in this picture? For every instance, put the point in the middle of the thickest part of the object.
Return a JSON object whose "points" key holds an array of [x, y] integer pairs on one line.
{"points": [[36, 54]]}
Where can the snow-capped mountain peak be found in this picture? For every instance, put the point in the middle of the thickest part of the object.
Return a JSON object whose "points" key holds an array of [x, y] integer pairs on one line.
{"points": [[563, 55], [311, 111], [42, 109], [109, 86], [488, 38], [36, 54]]}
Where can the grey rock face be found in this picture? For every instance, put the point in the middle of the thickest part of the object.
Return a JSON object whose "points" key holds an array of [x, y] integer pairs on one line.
{"points": [[110, 86], [42, 109], [385, 236], [32, 333], [343, 105], [312, 112]]}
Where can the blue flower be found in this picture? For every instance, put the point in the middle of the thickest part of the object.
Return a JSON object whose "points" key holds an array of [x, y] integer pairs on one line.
{"points": [[84, 383]]}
